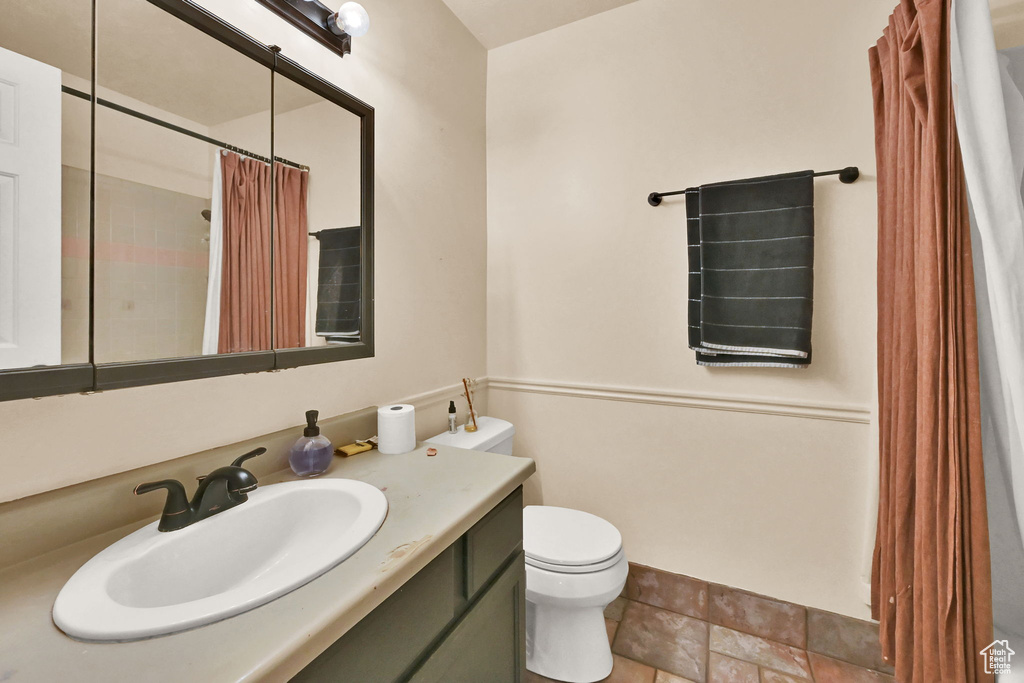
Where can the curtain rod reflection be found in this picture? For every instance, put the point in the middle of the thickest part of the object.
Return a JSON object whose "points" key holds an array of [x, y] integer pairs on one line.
{"points": [[177, 129]]}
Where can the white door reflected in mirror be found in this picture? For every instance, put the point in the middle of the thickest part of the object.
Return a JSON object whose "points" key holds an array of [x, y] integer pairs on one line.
{"points": [[30, 212]]}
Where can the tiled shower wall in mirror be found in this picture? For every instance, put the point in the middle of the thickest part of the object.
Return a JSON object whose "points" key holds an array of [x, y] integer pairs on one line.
{"points": [[151, 288], [74, 301]]}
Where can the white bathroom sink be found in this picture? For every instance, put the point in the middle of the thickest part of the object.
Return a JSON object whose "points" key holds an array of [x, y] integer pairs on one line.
{"points": [[151, 583]]}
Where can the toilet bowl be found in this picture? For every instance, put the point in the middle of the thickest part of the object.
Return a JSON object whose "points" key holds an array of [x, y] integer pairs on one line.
{"points": [[575, 566]]}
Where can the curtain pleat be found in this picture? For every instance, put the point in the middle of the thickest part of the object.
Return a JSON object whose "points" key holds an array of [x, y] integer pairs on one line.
{"points": [[931, 585], [291, 248]]}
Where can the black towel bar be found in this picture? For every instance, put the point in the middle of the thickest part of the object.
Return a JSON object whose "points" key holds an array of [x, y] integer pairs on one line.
{"points": [[846, 175], [317, 233]]}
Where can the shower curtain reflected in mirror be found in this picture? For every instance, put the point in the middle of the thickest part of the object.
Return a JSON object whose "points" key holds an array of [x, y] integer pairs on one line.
{"points": [[245, 280], [239, 294], [990, 122], [291, 247]]}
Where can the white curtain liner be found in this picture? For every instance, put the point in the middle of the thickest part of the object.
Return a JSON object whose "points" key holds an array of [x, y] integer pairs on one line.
{"points": [[990, 123], [211, 328]]}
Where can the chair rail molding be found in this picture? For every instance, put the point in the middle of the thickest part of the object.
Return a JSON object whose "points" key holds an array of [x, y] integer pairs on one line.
{"points": [[444, 394], [702, 401]]}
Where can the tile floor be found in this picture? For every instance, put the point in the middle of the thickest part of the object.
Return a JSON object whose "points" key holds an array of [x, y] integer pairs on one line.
{"points": [[668, 628]]}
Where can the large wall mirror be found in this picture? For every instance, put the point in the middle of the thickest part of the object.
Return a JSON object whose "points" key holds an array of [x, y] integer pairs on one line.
{"points": [[211, 212]]}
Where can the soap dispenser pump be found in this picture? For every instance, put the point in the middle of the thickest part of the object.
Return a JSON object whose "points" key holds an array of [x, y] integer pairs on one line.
{"points": [[311, 455]]}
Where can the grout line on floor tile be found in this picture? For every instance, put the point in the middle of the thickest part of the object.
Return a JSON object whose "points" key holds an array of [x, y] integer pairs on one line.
{"points": [[707, 650]]}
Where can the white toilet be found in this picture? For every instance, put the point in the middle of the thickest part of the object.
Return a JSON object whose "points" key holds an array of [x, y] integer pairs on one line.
{"points": [[575, 566]]}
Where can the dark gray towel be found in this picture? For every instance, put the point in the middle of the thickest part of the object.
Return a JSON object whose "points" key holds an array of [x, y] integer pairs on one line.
{"points": [[338, 290], [693, 261], [754, 271]]}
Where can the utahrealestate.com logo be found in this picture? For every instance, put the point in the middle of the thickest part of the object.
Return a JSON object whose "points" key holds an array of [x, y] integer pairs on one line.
{"points": [[997, 657]]}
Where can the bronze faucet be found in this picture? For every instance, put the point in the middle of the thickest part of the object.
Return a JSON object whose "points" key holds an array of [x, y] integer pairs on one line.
{"points": [[220, 490]]}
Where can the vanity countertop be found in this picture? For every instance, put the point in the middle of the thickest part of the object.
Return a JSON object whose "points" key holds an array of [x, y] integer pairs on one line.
{"points": [[432, 502]]}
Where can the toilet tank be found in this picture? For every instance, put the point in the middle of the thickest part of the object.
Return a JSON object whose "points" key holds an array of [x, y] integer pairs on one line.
{"points": [[492, 435]]}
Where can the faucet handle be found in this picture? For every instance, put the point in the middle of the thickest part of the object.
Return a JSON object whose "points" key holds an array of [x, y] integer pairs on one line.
{"points": [[170, 484], [237, 462], [175, 507]]}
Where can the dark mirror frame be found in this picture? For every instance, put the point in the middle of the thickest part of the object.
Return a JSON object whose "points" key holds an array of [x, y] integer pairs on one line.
{"points": [[87, 377]]}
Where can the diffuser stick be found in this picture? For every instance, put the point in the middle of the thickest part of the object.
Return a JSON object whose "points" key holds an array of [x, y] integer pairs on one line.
{"points": [[469, 400]]}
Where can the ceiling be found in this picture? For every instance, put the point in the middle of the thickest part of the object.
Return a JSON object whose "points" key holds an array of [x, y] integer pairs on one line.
{"points": [[497, 22]]}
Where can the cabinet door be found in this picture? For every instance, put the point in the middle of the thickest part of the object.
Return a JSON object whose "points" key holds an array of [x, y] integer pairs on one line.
{"points": [[489, 642], [389, 640], [492, 540]]}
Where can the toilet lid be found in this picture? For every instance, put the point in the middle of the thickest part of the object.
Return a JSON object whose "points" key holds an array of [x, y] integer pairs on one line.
{"points": [[561, 536]]}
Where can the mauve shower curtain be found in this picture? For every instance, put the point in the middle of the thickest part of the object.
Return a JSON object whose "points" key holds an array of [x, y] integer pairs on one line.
{"points": [[291, 247], [931, 583], [245, 281]]}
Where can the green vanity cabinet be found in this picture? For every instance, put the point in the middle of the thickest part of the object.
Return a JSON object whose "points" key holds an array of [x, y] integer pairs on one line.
{"points": [[462, 618], [487, 643]]}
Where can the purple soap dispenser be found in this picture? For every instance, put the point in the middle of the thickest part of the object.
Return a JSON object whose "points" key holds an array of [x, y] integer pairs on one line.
{"points": [[311, 455]]}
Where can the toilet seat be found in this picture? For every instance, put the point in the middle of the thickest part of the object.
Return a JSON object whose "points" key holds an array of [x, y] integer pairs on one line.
{"points": [[569, 541], [576, 568]]}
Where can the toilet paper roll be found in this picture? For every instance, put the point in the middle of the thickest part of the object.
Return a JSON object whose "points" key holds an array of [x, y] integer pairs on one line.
{"points": [[396, 429]]}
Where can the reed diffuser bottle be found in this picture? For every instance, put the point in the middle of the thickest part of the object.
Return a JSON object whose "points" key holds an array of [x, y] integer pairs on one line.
{"points": [[467, 384]]}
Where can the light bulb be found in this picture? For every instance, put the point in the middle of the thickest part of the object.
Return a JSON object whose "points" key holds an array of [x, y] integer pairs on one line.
{"points": [[352, 19]]}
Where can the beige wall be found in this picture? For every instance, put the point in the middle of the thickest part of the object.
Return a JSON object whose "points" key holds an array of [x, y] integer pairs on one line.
{"points": [[425, 74], [757, 478], [752, 478], [1007, 22]]}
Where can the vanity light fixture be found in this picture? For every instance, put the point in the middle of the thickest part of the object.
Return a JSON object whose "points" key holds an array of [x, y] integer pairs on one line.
{"points": [[334, 30]]}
